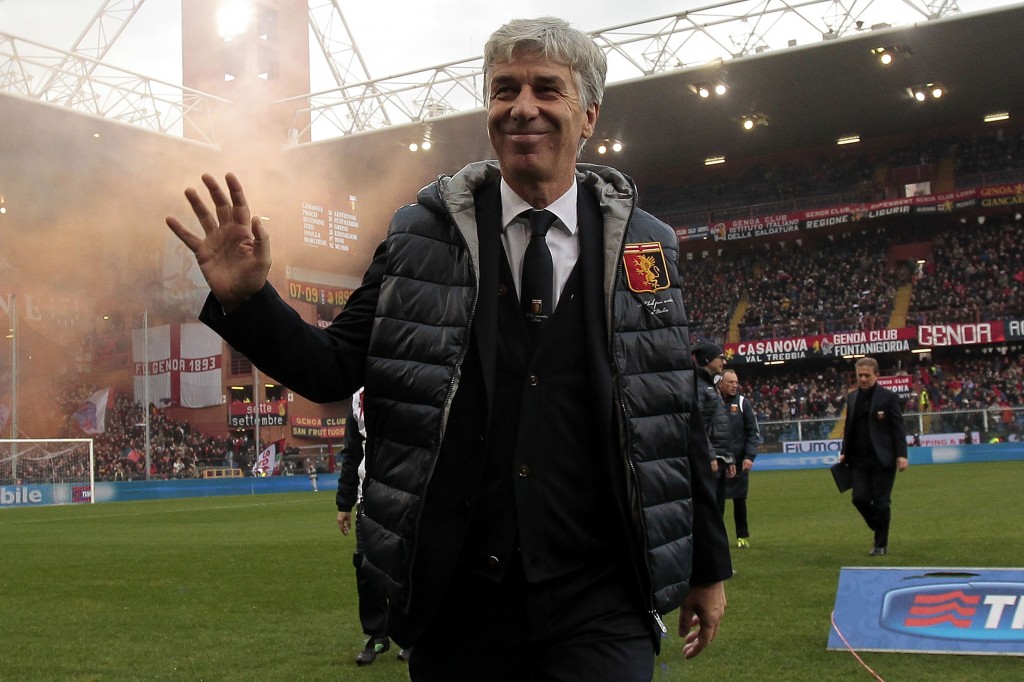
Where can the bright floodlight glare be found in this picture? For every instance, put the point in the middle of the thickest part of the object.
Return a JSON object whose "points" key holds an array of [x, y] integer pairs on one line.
{"points": [[233, 18], [703, 92], [937, 93], [616, 147], [426, 145], [886, 58], [919, 95], [720, 89], [748, 124], [602, 148], [413, 146]]}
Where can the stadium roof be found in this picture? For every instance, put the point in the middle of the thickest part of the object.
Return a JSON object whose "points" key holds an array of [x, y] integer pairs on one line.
{"points": [[809, 96], [813, 96]]}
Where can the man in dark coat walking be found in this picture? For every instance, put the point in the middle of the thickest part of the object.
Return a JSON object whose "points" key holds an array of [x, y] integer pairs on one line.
{"points": [[875, 448]]}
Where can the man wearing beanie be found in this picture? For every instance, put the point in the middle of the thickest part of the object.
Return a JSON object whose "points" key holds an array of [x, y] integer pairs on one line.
{"points": [[710, 361]]}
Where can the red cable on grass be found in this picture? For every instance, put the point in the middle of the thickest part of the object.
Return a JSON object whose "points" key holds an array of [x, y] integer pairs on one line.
{"points": [[851, 650]]}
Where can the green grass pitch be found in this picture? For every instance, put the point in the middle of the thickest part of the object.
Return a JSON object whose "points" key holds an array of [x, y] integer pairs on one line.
{"points": [[262, 587]]}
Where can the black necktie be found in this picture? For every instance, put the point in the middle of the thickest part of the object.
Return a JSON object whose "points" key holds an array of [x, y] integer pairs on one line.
{"points": [[537, 282]]}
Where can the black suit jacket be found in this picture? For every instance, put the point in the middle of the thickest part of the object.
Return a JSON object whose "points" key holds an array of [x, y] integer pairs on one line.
{"points": [[886, 428]]}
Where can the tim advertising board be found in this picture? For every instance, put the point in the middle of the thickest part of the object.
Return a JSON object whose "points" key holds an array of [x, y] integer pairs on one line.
{"points": [[930, 610]]}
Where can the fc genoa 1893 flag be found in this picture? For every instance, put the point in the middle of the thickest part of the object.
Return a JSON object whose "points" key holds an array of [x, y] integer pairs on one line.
{"points": [[183, 361], [92, 415], [268, 461]]}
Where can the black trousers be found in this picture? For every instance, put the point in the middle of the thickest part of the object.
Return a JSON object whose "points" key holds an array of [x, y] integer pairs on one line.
{"points": [[872, 496], [587, 628], [739, 516], [373, 602]]}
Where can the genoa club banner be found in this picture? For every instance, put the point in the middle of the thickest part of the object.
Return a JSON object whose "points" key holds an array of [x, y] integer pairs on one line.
{"points": [[993, 196], [874, 342], [318, 427], [930, 610], [184, 365]]}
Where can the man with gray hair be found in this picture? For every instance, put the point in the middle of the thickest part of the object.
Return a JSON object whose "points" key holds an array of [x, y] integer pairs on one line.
{"points": [[537, 492]]}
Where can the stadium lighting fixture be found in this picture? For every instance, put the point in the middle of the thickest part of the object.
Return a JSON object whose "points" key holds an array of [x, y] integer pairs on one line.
{"points": [[714, 160], [606, 146], [751, 121], [1000, 116], [887, 55], [706, 89], [233, 18], [848, 139], [928, 91]]}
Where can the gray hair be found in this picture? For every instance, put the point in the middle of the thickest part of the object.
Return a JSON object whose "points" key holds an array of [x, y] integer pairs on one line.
{"points": [[556, 40], [868, 362]]}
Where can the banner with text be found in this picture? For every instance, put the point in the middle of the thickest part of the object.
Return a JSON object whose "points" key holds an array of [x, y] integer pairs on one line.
{"points": [[874, 342], [243, 415], [318, 427], [930, 610], [181, 362], [992, 196]]}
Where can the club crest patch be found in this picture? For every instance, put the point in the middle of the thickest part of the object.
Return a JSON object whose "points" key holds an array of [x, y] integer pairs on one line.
{"points": [[645, 267]]}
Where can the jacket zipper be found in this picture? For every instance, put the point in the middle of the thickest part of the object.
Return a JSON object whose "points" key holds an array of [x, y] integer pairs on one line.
{"points": [[634, 481]]}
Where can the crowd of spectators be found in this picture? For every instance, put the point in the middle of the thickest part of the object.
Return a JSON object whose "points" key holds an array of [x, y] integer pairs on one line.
{"points": [[982, 390], [986, 158], [843, 176], [848, 282], [844, 283], [975, 274]]}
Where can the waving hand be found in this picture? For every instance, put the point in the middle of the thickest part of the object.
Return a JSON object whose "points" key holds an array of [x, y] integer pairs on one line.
{"points": [[234, 254]]}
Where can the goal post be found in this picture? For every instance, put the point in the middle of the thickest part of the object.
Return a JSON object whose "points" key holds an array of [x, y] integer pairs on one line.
{"points": [[46, 471]]}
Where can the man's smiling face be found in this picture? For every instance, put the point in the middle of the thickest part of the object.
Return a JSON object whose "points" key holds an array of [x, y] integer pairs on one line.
{"points": [[535, 121]]}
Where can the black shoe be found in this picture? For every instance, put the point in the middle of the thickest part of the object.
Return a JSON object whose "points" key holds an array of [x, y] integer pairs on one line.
{"points": [[374, 647], [403, 655], [879, 551]]}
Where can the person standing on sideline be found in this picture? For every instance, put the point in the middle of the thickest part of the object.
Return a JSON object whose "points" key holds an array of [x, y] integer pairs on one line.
{"points": [[373, 601], [536, 494], [875, 448], [710, 360], [312, 473], [745, 436]]}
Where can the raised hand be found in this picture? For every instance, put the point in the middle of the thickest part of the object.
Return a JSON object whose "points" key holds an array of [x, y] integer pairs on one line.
{"points": [[234, 254]]}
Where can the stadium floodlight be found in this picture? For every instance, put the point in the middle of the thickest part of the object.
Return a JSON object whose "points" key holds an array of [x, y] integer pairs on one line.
{"points": [[233, 17], [928, 90], [714, 160], [887, 55], [705, 89], [751, 121], [991, 118]]}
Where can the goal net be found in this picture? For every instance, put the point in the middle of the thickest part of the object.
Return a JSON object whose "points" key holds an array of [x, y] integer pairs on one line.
{"points": [[35, 472]]}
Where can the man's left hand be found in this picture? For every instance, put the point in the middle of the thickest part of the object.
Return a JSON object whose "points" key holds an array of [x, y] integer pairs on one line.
{"points": [[700, 615], [902, 463]]}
